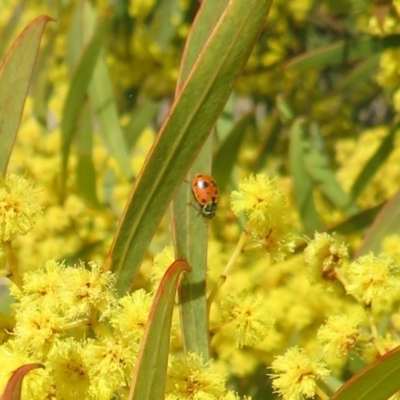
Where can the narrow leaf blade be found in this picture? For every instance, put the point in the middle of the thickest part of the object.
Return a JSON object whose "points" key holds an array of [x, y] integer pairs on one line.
{"points": [[13, 388], [190, 232], [374, 163], [78, 90], [15, 76], [344, 51], [140, 118], [377, 381], [192, 116], [320, 172], [227, 153], [302, 184], [386, 223], [149, 377]]}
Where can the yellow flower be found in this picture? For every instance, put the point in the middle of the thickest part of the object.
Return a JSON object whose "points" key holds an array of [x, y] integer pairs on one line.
{"points": [[276, 242], [162, 261], [42, 286], [323, 256], [244, 318], [129, 320], [296, 374], [69, 369], [266, 207], [260, 199], [90, 289], [374, 279], [110, 364], [19, 206], [189, 378], [339, 335], [37, 328]]}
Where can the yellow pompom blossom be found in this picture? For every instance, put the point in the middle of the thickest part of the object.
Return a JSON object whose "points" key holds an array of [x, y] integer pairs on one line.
{"points": [[260, 199], [232, 360], [245, 319], [324, 256], [71, 291], [110, 362], [374, 280], [37, 328], [19, 207], [162, 261], [69, 319], [69, 369], [339, 335], [43, 286], [266, 207], [391, 246], [129, 319], [189, 378], [296, 375]]}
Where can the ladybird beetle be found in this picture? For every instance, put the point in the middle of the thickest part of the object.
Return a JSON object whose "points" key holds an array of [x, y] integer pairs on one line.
{"points": [[206, 194]]}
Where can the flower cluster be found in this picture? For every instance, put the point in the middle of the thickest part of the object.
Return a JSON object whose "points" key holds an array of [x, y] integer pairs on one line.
{"points": [[19, 206], [57, 307], [297, 375], [324, 256], [266, 207], [69, 319]]}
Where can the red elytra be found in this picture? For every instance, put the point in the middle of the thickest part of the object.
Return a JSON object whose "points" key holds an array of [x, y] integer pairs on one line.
{"points": [[206, 194]]}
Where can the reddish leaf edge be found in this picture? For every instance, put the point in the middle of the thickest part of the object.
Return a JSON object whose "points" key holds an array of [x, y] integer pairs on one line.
{"points": [[368, 237], [12, 390], [364, 371], [39, 20], [176, 268]]}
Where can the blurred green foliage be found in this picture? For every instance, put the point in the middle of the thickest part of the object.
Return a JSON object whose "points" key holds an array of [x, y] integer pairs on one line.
{"points": [[317, 104]]}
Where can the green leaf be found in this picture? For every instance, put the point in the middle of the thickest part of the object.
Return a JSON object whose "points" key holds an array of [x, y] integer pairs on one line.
{"points": [[15, 77], [357, 222], [318, 168], [225, 121], [206, 19], [386, 223], [78, 91], [149, 376], [8, 29], [105, 109], [344, 52], [269, 139], [374, 163], [302, 183], [41, 86], [13, 388], [378, 381], [228, 151], [190, 230], [86, 173], [285, 110], [359, 75], [192, 116], [163, 26], [139, 120], [96, 85]]}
